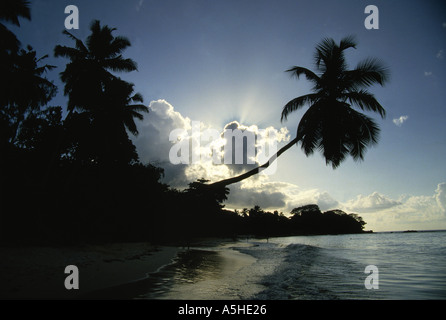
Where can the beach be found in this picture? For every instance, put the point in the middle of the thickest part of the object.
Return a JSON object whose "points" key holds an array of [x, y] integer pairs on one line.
{"points": [[407, 266], [38, 272]]}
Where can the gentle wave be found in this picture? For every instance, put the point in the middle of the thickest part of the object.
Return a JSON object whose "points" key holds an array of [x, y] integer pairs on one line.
{"points": [[411, 266]]}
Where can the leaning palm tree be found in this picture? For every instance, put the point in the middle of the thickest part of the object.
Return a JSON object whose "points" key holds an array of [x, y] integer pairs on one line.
{"points": [[332, 124]]}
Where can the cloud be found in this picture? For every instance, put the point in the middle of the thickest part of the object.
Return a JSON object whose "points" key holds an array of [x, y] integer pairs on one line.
{"points": [[440, 196], [440, 54], [313, 196], [268, 198], [427, 73], [408, 212], [371, 203], [194, 150], [153, 143], [399, 121], [260, 145]]}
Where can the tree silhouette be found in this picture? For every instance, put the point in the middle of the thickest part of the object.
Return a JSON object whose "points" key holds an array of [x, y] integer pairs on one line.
{"points": [[10, 11], [331, 124], [26, 90], [23, 88], [103, 99], [89, 69]]}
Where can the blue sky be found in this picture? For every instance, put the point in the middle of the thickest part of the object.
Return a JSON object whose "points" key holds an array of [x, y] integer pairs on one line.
{"points": [[217, 61]]}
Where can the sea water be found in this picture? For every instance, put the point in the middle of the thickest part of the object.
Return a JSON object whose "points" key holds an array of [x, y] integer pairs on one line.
{"points": [[408, 265]]}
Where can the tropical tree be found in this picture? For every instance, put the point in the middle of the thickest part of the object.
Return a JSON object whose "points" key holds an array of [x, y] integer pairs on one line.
{"points": [[11, 11], [23, 87], [27, 90], [332, 124], [103, 99]]}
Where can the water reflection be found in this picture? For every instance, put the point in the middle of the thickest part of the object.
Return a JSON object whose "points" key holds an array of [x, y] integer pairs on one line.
{"points": [[189, 267], [196, 265]]}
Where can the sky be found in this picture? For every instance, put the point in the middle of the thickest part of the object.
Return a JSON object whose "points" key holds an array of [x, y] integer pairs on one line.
{"points": [[216, 64]]}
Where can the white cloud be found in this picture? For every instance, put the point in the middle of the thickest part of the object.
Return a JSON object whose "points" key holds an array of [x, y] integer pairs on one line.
{"points": [[408, 212], [427, 73], [153, 142], [399, 121], [371, 203], [154, 145], [440, 196], [313, 196], [440, 54], [267, 198], [444, 24]]}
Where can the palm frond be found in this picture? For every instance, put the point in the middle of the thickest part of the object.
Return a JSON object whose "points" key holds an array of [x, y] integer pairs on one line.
{"points": [[118, 44], [120, 65], [79, 44], [68, 52], [136, 108], [137, 97], [362, 131], [348, 42], [298, 103], [368, 72], [11, 10], [365, 101], [310, 75]]}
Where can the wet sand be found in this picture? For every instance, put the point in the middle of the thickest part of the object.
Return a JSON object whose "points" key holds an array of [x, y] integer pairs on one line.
{"points": [[38, 272], [210, 273], [211, 269]]}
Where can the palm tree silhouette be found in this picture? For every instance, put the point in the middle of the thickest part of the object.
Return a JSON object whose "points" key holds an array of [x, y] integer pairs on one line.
{"points": [[23, 88], [10, 11], [98, 94], [27, 90], [89, 70], [331, 124]]}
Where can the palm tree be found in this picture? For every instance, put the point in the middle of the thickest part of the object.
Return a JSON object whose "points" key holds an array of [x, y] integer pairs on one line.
{"points": [[10, 11], [26, 90], [331, 124], [10, 59], [23, 88], [89, 70], [98, 94], [114, 118]]}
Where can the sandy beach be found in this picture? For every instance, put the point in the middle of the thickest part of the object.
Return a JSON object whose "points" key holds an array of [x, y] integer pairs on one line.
{"points": [[38, 272]]}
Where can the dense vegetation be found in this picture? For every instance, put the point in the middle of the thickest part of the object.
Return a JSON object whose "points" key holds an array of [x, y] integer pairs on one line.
{"points": [[78, 178]]}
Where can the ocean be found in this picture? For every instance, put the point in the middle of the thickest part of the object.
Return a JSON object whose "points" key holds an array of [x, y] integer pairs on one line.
{"points": [[404, 266]]}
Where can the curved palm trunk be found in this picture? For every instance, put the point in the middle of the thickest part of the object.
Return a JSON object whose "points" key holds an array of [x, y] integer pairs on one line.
{"points": [[226, 182]]}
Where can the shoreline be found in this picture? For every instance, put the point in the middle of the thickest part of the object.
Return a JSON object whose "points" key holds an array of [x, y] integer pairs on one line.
{"points": [[201, 265], [37, 273]]}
